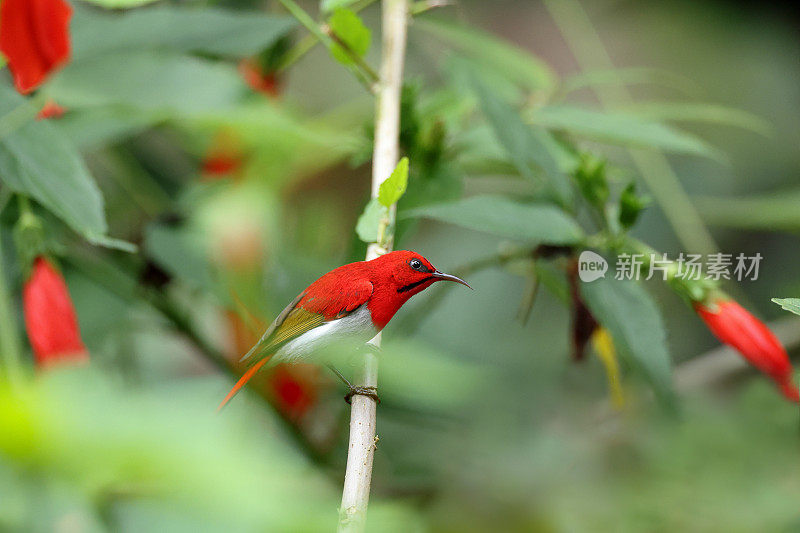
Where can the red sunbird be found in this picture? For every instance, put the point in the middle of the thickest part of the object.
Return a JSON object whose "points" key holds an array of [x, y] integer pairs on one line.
{"points": [[353, 302]]}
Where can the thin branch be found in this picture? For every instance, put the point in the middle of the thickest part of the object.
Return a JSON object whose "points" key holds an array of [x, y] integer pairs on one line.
{"points": [[318, 32], [9, 340], [357, 59], [422, 6], [361, 449], [308, 42]]}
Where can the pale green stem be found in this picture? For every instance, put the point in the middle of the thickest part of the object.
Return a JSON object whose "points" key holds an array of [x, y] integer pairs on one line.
{"points": [[363, 440], [9, 339]]}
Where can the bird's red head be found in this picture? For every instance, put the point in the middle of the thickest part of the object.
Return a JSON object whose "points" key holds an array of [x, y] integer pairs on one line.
{"points": [[396, 277], [409, 273]]}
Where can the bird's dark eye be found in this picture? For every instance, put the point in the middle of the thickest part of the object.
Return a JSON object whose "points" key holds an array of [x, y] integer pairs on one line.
{"points": [[417, 265]]}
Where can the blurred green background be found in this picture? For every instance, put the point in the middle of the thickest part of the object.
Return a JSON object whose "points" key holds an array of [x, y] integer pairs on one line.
{"points": [[487, 424]]}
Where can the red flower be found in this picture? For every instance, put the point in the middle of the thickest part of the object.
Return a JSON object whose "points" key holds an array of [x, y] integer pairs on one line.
{"points": [[50, 110], [224, 156], [258, 80], [734, 325], [50, 318], [34, 37], [219, 164], [294, 389]]}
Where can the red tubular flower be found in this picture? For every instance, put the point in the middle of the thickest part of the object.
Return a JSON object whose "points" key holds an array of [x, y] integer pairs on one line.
{"points": [[734, 325], [34, 37], [263, 82], [50, 318], [50, 110]]}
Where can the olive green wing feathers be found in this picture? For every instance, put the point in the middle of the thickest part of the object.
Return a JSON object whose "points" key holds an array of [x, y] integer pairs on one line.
{"points": [[292, 322]]}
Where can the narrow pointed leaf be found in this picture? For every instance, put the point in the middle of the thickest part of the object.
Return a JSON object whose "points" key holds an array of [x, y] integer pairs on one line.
{"points": [[213, 31], [629, 313], [393, 187], [368, 222], [790, 304], [37, 161], [702, 113], [348, 27], [534, 223], [617, 128], [529, 147], [511, 61]]}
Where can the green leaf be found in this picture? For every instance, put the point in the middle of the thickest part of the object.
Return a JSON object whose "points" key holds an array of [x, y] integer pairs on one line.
{"points": [[537, 223], [38, 162], [212, 31], [629, 313], [776, 211], [512, 62], [618, 128], [591, 178], [631, 205], [347, 26], [790, 304], [185, 84], [370, 219], [630, 76], [120, 4], [181, 252], [94, 127], [696, 112], [528, 146], [326, 6], [394, 186]]}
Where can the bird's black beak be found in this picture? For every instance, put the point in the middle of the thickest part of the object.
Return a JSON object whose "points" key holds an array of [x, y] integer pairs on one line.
{"points": [[448, 277]]}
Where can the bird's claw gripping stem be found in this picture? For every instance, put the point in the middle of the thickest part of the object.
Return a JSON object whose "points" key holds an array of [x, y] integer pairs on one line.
{"points": [[356, 390], [369, 392]]}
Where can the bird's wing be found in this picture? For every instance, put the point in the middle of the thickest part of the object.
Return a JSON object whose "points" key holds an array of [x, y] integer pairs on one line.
{"points": [[307, 312], [303, 314], [266, 340]]}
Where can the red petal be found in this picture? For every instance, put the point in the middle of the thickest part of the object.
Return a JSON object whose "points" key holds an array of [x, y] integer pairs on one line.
{"points": [[50, 110], [734, 325], [50, 318], [34, 37]]}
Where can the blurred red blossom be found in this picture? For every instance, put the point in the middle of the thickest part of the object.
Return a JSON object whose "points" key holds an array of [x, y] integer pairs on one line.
{"points": [[50, 318], [734, 325], [51, 110], [34, 37], [224, 156], [221, 164], [294, 388], [260, 80]]}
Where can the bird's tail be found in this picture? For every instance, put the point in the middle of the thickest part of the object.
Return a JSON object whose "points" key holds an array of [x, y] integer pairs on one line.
{"points": [[242, 381]]}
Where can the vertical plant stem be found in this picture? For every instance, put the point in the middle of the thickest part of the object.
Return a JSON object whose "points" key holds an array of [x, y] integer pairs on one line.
{"points": [[361, 450], [9, 341], [654, 167]]}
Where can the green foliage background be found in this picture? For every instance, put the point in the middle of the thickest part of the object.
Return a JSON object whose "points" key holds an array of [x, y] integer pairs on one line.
{"points": [[486, 424]]}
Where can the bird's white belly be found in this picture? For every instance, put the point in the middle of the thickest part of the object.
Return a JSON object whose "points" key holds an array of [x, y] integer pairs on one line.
{"points": [[355, 328]]}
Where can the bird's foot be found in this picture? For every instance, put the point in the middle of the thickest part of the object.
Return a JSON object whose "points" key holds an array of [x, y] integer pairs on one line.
{"points": [[369, 392], [356, 390]]}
